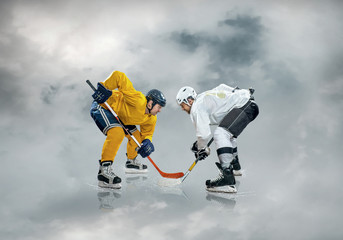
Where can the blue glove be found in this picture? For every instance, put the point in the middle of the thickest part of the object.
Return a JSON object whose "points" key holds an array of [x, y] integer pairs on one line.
{"points": [[101, 94], [146, 148]]}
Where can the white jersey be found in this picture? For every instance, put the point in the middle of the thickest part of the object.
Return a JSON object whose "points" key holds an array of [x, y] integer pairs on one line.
{"points": [[210, 107]]}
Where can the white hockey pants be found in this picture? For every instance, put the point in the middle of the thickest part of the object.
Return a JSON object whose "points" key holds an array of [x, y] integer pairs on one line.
{"points": [[226, 145]]}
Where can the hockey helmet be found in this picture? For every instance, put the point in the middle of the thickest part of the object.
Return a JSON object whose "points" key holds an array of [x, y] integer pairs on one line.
{"points": [[184, 94], [157, 97]]}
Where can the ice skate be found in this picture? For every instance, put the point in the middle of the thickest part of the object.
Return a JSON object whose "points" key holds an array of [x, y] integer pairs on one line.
{"points": [[134, 166], [236, 167], [106, 177], [224, 183]]}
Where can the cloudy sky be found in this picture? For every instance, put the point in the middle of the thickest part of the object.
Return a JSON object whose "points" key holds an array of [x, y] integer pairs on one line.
{"points": [[291, 52]]}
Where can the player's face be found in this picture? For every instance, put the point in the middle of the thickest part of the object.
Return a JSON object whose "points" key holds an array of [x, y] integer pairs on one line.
{"points": [[185, 108], [156, 109]]}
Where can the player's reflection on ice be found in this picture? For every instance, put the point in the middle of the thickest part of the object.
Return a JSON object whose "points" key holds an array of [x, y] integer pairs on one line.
{"points": [[137, 185], [134, 178], [147, 188], [224, 199], [227, 200], [107, 199]]}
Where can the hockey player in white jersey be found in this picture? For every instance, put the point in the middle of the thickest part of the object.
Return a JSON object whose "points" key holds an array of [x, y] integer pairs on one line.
{"points": [[231, 109]]}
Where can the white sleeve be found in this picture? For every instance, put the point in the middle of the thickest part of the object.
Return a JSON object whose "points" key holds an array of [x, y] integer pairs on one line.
{"points": [[201, 122]]}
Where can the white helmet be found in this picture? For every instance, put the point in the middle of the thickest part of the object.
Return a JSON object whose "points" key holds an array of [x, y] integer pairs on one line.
{"points": [[184, 94]]}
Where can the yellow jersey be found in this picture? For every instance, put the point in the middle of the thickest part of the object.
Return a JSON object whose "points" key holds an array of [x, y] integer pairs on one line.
{"points": [[129, 104]]}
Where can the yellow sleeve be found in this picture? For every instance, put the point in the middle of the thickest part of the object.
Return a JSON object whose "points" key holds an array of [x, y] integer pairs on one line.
{"points": [[147, 129], [118, 80]]}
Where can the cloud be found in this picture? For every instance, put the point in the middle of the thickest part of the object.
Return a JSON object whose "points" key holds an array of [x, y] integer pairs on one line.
{"points": [[245, 45], [189, 41], [236, 44]]}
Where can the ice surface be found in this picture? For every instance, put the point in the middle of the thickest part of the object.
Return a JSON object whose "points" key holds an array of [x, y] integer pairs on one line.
{"points": [[82, 210]]}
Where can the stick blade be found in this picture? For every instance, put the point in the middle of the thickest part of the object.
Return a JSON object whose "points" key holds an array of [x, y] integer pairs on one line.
{"points": [[169, 182], [172, 175]]}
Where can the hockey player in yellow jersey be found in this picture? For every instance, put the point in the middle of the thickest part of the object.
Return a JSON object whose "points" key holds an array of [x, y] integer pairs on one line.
{"points": [[133, 108]]}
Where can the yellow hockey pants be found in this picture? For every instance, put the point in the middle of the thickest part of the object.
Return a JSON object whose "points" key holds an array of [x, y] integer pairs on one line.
{"points": [[113, 141]]}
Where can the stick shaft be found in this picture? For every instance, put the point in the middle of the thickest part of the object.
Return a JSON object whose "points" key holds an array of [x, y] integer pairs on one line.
{"points": [[195, 162], [91, 85]]}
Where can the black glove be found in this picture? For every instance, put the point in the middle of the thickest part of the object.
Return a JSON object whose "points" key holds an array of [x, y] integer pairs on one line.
{"points": [[200, 154], [101, 94], [203, 153], [194, 147]]}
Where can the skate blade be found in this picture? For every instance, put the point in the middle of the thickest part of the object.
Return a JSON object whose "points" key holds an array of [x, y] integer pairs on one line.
{"points": [[237, 173], [224, 189], [107, 185], [135, 171]]}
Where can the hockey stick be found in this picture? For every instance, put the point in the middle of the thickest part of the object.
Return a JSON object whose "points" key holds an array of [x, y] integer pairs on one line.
{"points": [[195, 162], [163, 174]]}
